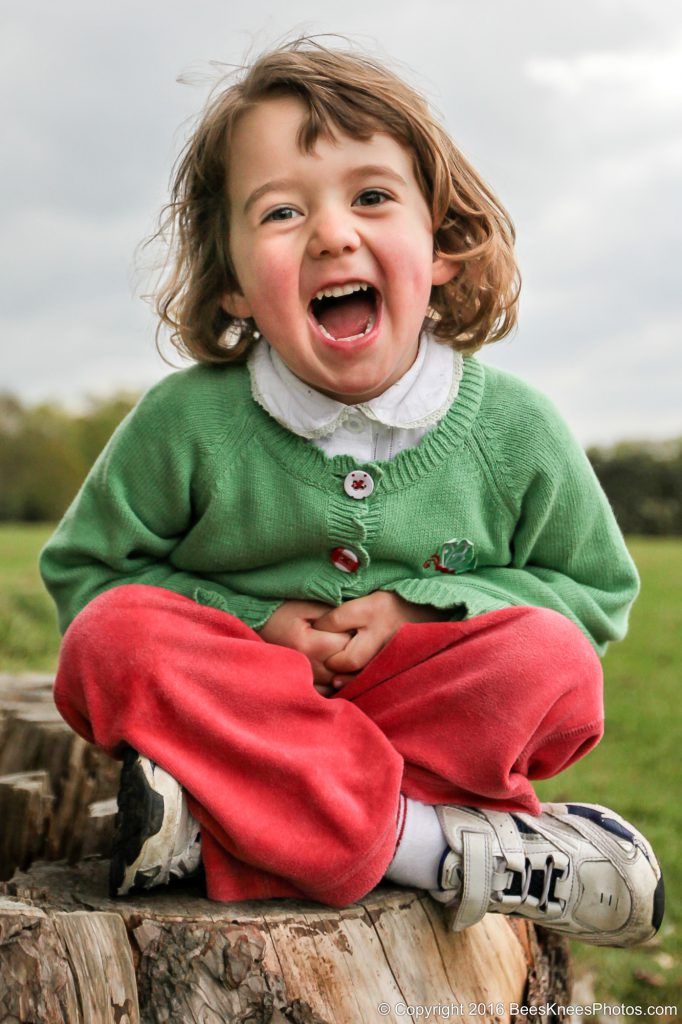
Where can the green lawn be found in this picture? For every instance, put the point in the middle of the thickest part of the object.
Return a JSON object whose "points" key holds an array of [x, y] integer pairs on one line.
{"points": [[29, 640], [636, 769]]}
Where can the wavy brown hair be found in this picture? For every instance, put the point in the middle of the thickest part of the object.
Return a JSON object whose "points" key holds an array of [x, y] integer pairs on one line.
{"points": [[342, 91]]}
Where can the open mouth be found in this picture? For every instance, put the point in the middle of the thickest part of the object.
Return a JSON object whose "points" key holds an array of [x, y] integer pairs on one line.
{"points": [[345, 312]]}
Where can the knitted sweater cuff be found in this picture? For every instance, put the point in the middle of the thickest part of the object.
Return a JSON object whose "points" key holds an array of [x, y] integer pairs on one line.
{"points": [[252, 611]]}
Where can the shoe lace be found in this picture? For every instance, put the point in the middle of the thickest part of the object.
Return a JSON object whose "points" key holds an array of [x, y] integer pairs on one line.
{"points": [[535, 886]]}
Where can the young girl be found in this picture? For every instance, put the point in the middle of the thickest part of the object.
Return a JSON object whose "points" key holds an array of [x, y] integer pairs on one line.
{"points": [[335, 595]]}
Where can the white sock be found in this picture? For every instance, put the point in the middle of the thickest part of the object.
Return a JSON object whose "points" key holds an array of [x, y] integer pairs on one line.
{"points": [[420, 846]]}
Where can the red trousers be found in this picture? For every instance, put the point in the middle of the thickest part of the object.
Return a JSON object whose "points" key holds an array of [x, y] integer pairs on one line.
{"points": [[296, 793]]}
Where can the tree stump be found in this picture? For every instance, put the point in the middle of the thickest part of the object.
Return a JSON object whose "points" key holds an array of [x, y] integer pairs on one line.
{"points": [[71, 954], [52, 783]]}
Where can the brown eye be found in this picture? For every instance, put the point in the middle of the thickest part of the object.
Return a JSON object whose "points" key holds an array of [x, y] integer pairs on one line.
{"points": [[281, 213], [372, 197]]}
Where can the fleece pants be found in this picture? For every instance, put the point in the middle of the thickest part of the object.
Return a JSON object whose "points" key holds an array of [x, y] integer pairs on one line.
{"points": [[297, 794]]}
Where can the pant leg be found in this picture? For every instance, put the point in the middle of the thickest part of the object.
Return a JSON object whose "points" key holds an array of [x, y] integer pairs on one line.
{"points": [[480, 707], [297, 794], [278, 774]]}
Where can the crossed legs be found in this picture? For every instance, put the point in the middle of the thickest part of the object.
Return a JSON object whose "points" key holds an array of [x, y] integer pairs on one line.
{"points": [[297, 794]]}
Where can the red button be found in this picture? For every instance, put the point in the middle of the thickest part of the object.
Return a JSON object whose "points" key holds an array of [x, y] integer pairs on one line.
{"points": [[345, 560]]}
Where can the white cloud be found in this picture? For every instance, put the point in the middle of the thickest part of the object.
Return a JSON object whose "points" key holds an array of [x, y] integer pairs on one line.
{"points": [[581, 140], [655, 76], [623, 384]]}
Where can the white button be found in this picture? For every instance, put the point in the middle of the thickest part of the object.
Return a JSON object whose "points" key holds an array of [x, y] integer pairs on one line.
{"points": [[358, 484], [354, 424]]}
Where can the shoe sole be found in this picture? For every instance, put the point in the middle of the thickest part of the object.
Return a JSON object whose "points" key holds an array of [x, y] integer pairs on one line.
{"points": [[143, 824]]}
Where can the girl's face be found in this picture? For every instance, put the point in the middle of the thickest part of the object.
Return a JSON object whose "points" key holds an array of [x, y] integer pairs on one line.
{"points": [[350, 213]]}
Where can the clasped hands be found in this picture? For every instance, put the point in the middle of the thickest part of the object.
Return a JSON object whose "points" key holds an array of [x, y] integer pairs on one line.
{"points": [[339, 642]]}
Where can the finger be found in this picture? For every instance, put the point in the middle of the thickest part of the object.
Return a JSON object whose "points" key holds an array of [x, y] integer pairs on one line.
{"points": [[357, 653], [312, 610], [346, 617], [325, 691], [338, 682], [321, 674], [321, 645]]}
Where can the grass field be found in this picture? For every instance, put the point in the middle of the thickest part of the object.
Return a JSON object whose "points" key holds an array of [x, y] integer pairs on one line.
{"points": [[636, 769]]}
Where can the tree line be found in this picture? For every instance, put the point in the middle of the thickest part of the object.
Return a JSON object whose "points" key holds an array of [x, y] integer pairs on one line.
{"points": [[46, 451]]}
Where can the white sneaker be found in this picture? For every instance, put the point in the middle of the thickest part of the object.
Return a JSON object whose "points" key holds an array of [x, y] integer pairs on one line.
{"points": [[578, 869], [156, 837]]}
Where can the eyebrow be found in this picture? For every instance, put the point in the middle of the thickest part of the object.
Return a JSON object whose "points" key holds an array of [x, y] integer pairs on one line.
{"points": [[283, 184]]}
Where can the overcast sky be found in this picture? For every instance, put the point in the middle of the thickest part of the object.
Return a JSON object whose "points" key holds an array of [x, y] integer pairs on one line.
{"points": [[571, 110]]}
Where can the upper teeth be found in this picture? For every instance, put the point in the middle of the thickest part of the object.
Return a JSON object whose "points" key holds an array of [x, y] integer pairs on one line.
{"points": [[342, 289]]}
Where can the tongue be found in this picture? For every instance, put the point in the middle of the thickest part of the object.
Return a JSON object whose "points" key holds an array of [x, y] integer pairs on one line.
{"points": [[346, 317]]}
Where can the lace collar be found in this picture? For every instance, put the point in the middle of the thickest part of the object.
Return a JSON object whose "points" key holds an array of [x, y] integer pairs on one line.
{"points": [[420, 398]]}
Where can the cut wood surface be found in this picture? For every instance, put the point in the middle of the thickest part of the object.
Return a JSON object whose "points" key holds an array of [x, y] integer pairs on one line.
{"points": [[199, 961], [69, 953]]}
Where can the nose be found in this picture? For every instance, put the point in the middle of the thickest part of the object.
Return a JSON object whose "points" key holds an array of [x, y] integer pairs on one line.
{"points": [[333, 233]]}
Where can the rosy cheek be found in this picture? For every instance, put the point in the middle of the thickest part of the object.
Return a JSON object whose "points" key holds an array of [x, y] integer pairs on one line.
{"points": [[278, 280], [416, 281], [277, 275], [412, 265]]}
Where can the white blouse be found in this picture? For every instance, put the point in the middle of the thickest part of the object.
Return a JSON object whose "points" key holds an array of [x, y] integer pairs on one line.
{"points": [[375, 430]]}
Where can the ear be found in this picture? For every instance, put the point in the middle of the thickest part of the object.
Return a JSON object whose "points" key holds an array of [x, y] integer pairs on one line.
{"points": [[444, 270], [235, 304]]}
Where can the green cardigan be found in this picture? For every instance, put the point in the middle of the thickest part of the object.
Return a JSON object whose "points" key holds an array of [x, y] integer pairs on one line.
{"points": [[201, 491]]}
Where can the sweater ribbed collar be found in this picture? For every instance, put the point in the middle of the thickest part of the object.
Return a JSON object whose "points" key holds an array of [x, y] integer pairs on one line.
{"points": [[307, 462]]}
